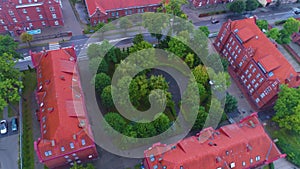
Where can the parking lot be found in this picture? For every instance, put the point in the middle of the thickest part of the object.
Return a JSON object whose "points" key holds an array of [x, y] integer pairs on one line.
{"points": [[9, 130]]}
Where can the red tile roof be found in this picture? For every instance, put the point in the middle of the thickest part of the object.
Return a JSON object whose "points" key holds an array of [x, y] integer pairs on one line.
{"points": [[233, 144], [265, 52], [61, 104], [113, 5]]}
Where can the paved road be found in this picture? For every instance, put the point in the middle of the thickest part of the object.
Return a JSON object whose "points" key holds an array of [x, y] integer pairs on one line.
{"points": [[9, 152]]}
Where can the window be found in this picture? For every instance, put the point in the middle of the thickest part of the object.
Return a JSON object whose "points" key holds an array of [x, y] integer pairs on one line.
{"points": [[30, 25], [247, 71], [262, 95], [44, 119], [236, 47], [139, 10], [62, 149], [112, 14], [29, 1], [15, 20], [251, 160], [245, 81], [230, 39], [232, 54], [253, 70], [233, 43], [240, 64], [82, 142], [229, 48], [251, 90], [117, 13], [242, 77], [256, 85], [126, 13], [51, 9], [244, 163], [54, 16], [20, 1], [155, 167], [27, 18], [10, 12], [142, 10], [258, 75], [56, 23], [218, 44], [261, 79], [44, 126], [249, 76], [256, 100], [38, 9], [251, 66], [235, 57], [1, 21], [152, 158], [253, 81], [232, 165], [41, 16], [66, 157], [239, 51], [74, 154], [5, 28], [72, 145], [24, 11], [50, 152], [248, 87], [43, 23], [257, 158], [46, 153]]}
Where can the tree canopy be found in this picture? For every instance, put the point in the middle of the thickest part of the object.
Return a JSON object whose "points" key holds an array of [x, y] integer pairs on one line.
{"points": [[237, 6], [9, 81], [125, 23], [273, 33], [205, 30], [100, 81], [262, 24], [251, 5], [8, 45], [287, 109], [291, 25], [26, 37]]}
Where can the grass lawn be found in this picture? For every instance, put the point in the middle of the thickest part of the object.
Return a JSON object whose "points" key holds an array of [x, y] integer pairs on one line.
{"points": [[27, 144], [288, 143]]}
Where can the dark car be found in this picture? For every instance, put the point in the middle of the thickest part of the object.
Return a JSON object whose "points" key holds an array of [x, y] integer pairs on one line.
{"points": [[214, 20], [14, 124]]}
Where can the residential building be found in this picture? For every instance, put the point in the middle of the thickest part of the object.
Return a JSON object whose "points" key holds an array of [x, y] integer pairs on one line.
{"points": [[255, 63], [241, 145], [66, 135], [17, 16], [102, 11], [296, 38]]}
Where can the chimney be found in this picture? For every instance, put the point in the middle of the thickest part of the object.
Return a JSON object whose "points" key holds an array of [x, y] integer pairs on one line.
{"points": [[52, 143]]}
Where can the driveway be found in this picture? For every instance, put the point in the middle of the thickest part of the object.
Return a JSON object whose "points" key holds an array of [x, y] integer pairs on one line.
{"points": [[9, 152]]}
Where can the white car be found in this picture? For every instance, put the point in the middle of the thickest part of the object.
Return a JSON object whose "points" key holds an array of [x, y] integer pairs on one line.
{"points": [[3, 127]]}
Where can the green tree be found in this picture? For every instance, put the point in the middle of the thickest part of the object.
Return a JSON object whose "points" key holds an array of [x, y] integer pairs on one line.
{"points": [[9, 46], [178, 48], [106, 97], [174, 7], [251, 5], [262, 24], [125, 23], [291, 25], [200, 74], [161, 123], [80, 166], [287, 109], [230, 103], [205, 30], [9, 81], [189, 60], [284, 37], [98, 65], [26, 37], [140, 46], [155, 23], [116, 121], [101, 80], [138, 39], [237, 6], [144, 130], [201, 117], [99, 50], [273, 33]]}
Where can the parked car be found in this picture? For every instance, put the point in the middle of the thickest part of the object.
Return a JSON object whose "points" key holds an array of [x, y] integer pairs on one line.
{"points": [[14, 124], [214, 20], [3, 127], [296, 10]]}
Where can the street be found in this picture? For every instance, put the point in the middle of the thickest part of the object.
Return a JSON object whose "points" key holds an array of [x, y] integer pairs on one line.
{"points": [[9, 152]]}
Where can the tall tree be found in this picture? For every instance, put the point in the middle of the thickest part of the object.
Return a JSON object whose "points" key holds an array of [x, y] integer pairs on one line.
{"points": [[273, 33], [116, 121], [200, 74], [230, 103], [262, 24], [8, 45], [251, 5], [201, 117], [161, 122], [237, 6], [138, 39], [140, 46], [284, 37], [101, 80], [26, 37], [145, 130], [287, 109], [174, 7], [106, 97], [155, 23], [9, 81], [291, 25], [205, 30]]}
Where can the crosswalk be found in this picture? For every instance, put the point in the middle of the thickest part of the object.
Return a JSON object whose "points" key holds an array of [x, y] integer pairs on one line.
{"points": [[54, 45]]}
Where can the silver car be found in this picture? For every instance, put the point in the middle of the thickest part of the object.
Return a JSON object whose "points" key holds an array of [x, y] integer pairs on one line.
{"points": [[3, 127]]}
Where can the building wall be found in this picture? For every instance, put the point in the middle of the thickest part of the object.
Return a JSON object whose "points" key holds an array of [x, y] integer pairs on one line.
{"points": [[251, 79], [200, 3], [16, 18], [100, 17]]}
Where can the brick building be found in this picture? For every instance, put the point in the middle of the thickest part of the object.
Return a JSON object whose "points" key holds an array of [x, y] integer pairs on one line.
{"points": [[66, 135], [255, 63], [242, 145], [17, 16], [101, 11]]}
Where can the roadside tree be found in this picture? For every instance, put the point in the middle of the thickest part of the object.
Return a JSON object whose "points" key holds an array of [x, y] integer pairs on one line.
{"points": [[25, 37], [237, 6]]}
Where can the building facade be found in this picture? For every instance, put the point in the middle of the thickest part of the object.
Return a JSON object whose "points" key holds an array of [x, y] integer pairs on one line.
{"points": [[201, 3], [66, 135], [242, 145], [255, 63], [102, 11], [17, 16]]}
